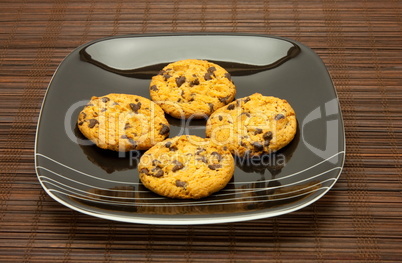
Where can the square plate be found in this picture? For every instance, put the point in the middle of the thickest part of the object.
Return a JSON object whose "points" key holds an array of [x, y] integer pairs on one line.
{"points": [[105, 184]]}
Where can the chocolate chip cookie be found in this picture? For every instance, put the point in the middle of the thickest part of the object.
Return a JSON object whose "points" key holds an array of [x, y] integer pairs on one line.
{"points": [[253, 125], [123, 122], [192, 88], [186, 167]]}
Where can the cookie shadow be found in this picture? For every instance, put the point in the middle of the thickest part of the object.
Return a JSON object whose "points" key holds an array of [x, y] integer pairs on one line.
{"points": [[109, 161]]}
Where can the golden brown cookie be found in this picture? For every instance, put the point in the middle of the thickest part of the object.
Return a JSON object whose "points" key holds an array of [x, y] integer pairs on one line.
{"points": [[186, 167], [253, 125], [122, 122], [192, 88]]}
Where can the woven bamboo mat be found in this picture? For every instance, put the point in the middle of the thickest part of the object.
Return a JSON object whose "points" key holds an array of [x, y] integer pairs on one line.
{"points": [[359, 220]]}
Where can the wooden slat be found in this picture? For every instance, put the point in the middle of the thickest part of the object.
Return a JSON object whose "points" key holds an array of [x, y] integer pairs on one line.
{"points": [[359, 220]]}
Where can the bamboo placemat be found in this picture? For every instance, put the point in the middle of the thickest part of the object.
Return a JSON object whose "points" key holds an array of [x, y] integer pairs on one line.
{"points": [[359, 220]]}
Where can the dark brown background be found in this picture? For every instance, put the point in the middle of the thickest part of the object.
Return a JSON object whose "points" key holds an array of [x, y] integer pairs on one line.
{"points": [[359, 220]]}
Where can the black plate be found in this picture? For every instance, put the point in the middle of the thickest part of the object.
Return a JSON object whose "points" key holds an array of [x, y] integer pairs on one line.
{"points": [[105, 184]]}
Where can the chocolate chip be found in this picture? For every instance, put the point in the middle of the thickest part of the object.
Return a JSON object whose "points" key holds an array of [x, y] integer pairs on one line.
{"points": [[144, 170], [80, 123], [156, 163], [194, 83], [227, 75], [258, 146], [257, 131], [217, 155], [279, 116], [214, 166], [181, 183], [231, 106], [127, 126], [211, 69], [164, 74], [132, 142], [246, 113], [202, 159], [247, 99], [173, 148], [200, 150], [157, 172], [224, 99], [135, 106], [180, 80], [154, 88], [267, 136], [92, 123], [220, 117], [84, 115], [208, 76], [115, 103], [211, 107], [105, 99], [192, 96], [103, 109], [164, 130], [177, 166]]}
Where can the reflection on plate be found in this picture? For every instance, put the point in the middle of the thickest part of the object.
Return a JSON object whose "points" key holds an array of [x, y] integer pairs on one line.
{"points": [[105, 184]]}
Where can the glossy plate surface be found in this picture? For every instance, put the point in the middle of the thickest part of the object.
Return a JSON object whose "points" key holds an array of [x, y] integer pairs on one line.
{"points": [[105, 184]]}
